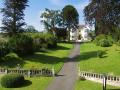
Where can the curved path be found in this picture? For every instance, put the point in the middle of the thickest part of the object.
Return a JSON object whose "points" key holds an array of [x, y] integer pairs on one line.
{"points": [[68, 75]]}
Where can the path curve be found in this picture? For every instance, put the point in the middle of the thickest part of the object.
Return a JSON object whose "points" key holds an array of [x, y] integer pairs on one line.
{"points": [[68, 75]]}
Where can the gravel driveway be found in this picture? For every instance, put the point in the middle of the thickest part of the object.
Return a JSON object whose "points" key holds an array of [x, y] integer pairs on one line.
{"points": [[68, 75]]}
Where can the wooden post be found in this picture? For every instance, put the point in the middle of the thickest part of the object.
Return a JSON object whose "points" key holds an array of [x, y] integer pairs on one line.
{"points": [[104, 82], [29, 73], [53, 71], [6, 71]]}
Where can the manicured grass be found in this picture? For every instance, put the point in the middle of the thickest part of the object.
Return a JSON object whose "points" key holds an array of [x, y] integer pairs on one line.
{"points": [[36, 83], [89, 85], [48, 59], [109, 63]]}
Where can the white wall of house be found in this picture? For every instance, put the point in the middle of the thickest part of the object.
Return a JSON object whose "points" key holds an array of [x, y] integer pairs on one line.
{"points": [[84, 32]]}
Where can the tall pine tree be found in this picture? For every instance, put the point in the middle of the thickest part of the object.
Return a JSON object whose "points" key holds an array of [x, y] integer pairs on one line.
{"points": [[13, 16]]}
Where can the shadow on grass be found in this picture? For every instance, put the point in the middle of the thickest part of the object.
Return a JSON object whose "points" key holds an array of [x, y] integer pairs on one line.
{"points": [[45, 59], [26, 83], [60, 48], [91, 54], [11, 63], [38, 57]]}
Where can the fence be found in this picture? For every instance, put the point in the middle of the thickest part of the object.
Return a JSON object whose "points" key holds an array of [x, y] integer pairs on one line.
{"points": [[99, 76], [29, 72]]}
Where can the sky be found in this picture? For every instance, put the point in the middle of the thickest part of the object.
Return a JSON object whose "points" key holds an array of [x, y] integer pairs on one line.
{"points": [[36, 7]]}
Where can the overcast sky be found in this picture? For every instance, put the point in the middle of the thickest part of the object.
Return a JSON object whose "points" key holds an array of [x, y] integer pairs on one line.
{"points": [[36, 7]]}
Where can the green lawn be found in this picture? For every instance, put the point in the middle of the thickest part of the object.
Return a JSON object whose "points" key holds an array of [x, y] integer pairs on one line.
{"points": [[89, 85], [49, 58], [109, 63], [36, 83]]}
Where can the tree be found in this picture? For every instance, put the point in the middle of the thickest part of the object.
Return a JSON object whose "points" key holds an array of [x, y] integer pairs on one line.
{"points": [[13, 16], [51, 20], [61, 33], [105, 14], [70, 18], [30, 29]]}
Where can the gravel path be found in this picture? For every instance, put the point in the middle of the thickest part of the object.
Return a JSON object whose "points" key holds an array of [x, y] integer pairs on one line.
{"points": [[68, 75]]}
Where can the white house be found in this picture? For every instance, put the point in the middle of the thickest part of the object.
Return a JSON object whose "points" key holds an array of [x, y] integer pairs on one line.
{"points": [[80, 34]]}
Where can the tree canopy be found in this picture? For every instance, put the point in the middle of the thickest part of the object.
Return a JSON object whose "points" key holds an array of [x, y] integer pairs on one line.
{"points": [[13, 16], [70, 18], [51, 19], [105, 14]]}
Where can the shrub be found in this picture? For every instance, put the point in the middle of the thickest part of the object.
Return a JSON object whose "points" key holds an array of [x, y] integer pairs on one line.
{"points": [[103, 40], [100, 54], [98, 38], [82, 78], [4, 47], [21, 44], [12, 80], [105, 43], [118, 43], [43, 41], [11, 56]]}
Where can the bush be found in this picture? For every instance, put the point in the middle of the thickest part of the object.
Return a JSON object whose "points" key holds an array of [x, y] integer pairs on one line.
{"points": [[43, 41], [100, 54], [11, 56], [82, 78], [103, 40], [118, 43], [105, 43], [4, 47], [21, 44], [12, 80], [98, 38]]}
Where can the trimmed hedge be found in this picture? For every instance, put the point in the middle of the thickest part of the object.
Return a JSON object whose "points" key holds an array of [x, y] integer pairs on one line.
{"points": [[12, 80]]}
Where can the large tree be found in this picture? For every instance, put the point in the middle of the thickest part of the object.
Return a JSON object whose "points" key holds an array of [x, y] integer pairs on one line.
{"points": [[105, 14], [13, 16], [31, 29], [51, 19], [70, 18]]}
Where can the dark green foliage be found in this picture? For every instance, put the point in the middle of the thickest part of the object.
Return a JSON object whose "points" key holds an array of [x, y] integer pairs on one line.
{"points": [[105, 43], [4, 47], [82, 78], [70, 15], [61, 34], [43, 41], [13, 16], [11, 56], [21, 44], [70, 18], [12, 80], [103, 40]]}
